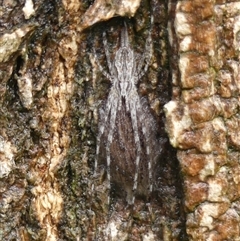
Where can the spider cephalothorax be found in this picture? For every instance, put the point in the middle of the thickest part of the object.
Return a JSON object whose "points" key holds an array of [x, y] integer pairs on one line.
{"points": [[125, 70]]}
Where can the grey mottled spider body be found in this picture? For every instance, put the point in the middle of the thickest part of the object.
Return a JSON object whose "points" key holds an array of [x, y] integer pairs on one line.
{"points": [[124, 73]]}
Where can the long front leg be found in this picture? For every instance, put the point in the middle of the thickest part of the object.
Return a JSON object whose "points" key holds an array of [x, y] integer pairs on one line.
{"points": [[110, 65], [107, 75], [147, 55]]}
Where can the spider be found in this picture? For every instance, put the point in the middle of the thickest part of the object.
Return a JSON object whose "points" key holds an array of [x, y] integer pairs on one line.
{"points": [[125, 71]]}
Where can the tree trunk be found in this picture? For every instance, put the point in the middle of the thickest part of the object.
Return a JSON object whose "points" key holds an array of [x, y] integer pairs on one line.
{"points": [[52, 94], [202, 118]]}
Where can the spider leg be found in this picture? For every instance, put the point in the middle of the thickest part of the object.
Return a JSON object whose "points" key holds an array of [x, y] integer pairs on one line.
{"points": [[110, 137], [110, 101], [147, 55], [145, 134], [110, 66], [124, 36], [107, 75], [137, 142]]}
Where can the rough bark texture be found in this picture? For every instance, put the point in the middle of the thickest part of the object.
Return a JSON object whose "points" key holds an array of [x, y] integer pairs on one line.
{"points": [[203, 117], [51, 90], [50, 94]]}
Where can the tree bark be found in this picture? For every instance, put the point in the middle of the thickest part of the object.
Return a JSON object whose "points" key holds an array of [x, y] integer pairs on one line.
{"points": [[51, 91], [202, 118]]}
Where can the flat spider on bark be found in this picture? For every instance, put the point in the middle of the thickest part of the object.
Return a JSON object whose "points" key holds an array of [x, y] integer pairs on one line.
{"points": [[126, 122]]}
